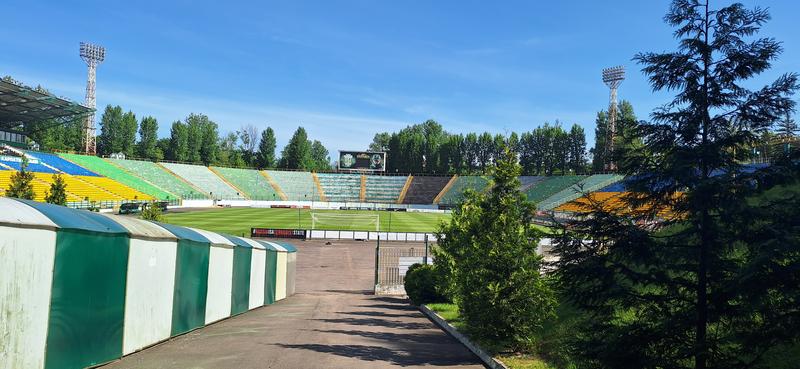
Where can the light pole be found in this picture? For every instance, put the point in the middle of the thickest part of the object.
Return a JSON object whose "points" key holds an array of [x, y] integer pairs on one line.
{"points": [[612, 77], [93, 55]]}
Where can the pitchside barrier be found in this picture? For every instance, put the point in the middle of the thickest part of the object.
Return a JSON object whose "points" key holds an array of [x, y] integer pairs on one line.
{"points": [[79, 289], [341, 235]]}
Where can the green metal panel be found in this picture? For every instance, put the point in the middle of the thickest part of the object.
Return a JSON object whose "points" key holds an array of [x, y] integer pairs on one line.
{"points": [[240, 298], [191, 286], [191, 279], [271, 277], [87, 304]]}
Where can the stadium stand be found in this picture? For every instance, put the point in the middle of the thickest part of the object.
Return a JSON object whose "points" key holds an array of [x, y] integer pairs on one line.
{"points": [[204, 179], [160, 177], [80, 188], [297, 186], [341, 187], [550, 186], [254, 185], [527, 181], [60, 164], [424, 189], [116, 173], [14, 162], [384, 189], [456, 193], [576, 190]]}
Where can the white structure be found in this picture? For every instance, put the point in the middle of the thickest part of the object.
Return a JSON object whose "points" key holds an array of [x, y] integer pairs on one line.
{"points": [[93, 55]]}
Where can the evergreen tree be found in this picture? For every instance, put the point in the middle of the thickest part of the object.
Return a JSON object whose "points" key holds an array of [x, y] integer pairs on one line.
{"points": [[148, 138], [58, 191], [266, 149], [696, 268], [787, 128], [297, 153], [488, 249], [21, 183]]}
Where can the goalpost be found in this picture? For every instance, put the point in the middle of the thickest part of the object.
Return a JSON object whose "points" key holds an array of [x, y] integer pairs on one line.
{"points": [[339, 221]]}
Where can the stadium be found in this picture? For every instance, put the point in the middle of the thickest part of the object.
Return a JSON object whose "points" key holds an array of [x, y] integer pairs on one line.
{"points": [[671, 241]]}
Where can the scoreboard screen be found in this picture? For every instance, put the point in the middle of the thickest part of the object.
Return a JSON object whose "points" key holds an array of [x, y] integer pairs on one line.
{"points": [[362, 160]]}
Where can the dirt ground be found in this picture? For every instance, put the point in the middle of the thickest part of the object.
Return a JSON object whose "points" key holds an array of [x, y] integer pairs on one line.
{"points": [[333, 321]]}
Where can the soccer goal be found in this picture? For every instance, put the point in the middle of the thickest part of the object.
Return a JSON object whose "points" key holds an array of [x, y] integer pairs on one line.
{"points": [[349, 222]]}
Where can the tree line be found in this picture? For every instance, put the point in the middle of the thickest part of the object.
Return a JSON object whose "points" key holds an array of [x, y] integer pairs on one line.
{"points": [[197, 140], [428, 148]]}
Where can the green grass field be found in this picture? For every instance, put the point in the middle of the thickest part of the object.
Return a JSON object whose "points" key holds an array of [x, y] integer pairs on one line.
{"points": [[238, 221]]}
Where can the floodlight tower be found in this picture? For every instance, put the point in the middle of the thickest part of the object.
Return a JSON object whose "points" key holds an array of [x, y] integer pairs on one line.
{"points": [[612, 77], [93, 55]]}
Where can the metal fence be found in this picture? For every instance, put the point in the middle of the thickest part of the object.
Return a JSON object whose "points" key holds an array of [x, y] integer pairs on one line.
{"points": [[391, 265]]}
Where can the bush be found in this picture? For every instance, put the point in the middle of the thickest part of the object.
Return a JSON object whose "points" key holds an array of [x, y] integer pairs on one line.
{"points": [[152, 212], [421, 284]]}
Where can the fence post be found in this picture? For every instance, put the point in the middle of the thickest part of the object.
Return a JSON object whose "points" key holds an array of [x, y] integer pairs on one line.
{"points": [[377, 260], [425, 259]]}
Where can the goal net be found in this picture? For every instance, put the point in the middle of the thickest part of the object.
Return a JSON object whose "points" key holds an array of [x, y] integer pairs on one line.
{"points": [[350, 222]]}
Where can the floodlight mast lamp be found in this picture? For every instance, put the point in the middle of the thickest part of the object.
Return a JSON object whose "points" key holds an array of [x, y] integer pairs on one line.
{"points": [[93, 55], [612, 77]]}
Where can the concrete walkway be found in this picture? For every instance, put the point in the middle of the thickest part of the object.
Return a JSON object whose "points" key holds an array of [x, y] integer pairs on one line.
{"points": [[333, 321]]}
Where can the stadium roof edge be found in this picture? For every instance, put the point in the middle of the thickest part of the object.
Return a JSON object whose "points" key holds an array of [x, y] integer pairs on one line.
{"points": [[22, 104]]}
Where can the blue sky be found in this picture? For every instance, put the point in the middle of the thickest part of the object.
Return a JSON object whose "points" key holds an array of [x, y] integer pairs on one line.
{"points": [[348, 69]]}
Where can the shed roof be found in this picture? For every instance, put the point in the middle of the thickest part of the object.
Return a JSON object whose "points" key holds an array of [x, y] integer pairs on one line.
{"points": [[66, 218], [138, 228], [13, 212]]}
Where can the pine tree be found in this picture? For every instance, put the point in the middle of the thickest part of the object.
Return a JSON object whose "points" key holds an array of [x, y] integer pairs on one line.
{"points": [[696, 268], [58, 191], [266, 149], [488, 251], [21, 185], [297, 153], [148, 137], [787, 128]]}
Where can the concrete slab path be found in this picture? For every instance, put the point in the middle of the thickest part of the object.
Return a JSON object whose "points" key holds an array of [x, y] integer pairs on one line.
{"points": [[333, 321]]}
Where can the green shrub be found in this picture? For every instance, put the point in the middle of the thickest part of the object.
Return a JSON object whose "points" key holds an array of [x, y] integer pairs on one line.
{"points": [[421, 284]]}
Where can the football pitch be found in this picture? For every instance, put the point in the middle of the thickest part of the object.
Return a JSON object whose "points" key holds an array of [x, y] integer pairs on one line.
{"points": [[238, 221]]}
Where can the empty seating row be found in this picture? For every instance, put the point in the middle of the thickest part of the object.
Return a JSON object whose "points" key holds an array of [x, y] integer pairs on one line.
{"points": [[455, 194], [340, 187], [384, 189], [204, 179], [297, 186], [100, 166], [251, 181], [160, 177], [423, 189], [550, 186], [574, 191]]}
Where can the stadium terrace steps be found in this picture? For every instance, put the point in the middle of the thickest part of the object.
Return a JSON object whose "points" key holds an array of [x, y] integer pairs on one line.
{"points": [[249, 181], [229, 183], [297, 186], [362, 194], [456, 192], [41, 184], [100, 166], [527, 181], [318, 187], [383, 189], [340, 187], [160, 177], [114, 188], [60, 164], [423, 189], [274, 185], [576, 190], [404, 191], [204, 179], [550, 186]]}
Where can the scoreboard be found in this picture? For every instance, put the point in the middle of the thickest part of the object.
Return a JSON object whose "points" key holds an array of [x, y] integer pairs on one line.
{"points": [[362, 161]]}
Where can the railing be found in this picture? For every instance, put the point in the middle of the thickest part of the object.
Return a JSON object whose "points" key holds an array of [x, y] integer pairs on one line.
{"points": [[391, 265]]}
